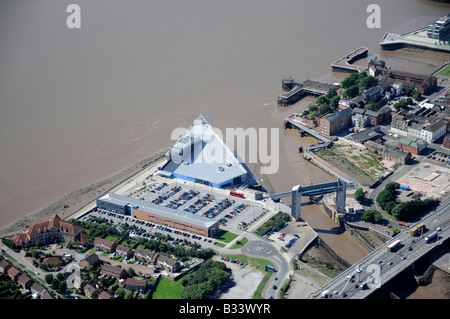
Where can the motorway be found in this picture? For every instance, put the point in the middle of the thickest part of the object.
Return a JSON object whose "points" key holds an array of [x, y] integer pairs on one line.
{"points": [[381, 265]]}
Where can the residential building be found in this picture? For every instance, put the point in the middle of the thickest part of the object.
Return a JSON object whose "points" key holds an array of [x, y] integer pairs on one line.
{"points": [[168, 263], [4, 266], [113, 271], [13, 273], [52, 230], [25, 281], [53, 260], [105, 295], [91, 260], [336, 122], [135, 284], [104, 245], [90, 291], [124, 251], [383, 115], [399, 124], [146, 255], [434, 131]]}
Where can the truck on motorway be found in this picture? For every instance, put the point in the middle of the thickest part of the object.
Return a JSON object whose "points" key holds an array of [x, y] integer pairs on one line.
{"points": [[431, 236], [394, 245], [325, 294], [417, 229]]}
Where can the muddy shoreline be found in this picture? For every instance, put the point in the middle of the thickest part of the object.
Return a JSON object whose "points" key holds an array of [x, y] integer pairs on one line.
{"points": [[75, 200]]}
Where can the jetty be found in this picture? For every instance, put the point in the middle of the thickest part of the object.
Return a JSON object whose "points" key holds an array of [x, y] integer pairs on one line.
{"points": [[345, 63], [294, 91]]}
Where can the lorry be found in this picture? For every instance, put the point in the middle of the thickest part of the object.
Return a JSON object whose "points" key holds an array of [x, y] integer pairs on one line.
{"points": [[431, 236], [417, 229], [325, 294]]}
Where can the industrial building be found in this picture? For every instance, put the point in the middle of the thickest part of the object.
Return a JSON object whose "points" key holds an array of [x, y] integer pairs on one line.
{"points": [[201, 156], [158, 214]]}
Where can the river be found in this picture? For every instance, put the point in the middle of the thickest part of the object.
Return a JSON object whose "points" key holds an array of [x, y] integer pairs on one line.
{"points": [[78, 105]]}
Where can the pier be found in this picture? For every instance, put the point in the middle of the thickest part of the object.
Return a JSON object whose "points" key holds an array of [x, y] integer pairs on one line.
{"points": [[295, 91], [345, 63]]}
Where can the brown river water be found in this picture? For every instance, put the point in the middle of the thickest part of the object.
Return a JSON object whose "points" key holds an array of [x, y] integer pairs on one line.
{"points": [[78, 105]]}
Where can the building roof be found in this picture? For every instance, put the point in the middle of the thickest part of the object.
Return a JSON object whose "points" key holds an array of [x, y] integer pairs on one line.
{"points": [[412, 141], [162, 211], [112, 269], [339, 115], [435, 126], [104, 242], [201, 154], [54, 223]]}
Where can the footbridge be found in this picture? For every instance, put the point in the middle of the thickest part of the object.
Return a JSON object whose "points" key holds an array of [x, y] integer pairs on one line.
{"points": [[297, 191]]}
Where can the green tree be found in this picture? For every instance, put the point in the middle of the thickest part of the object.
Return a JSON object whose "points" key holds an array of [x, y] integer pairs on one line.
{"points": [[312, 115], [322, 100], [372, 106], [359, 195], [334, 101], [351, 92], [324, 109], [349, 81], [49, 278], [312, 108], [372, 216], [384, 197], [331, 93]]}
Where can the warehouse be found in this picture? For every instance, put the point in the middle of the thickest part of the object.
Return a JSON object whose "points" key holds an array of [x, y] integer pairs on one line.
{"points": [[158, 214]]}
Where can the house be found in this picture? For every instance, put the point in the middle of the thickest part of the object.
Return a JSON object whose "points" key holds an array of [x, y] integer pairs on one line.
{"points": [[399, 124], [13, 273], [37, 290], [50, 231], [90, 260], [47, 295], [113, 271], [397, 156], [124, 251], [413, 145], [359, 121], [168, 263], [378, 117], [90, 291], [104, 245], [105, 295], [53, 261], [25, 281], [145, 255], [336, 122], [4, 266], [135, 284]]}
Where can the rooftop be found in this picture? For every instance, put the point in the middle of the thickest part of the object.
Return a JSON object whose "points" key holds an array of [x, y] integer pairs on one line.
{"points": [[160, 210]]}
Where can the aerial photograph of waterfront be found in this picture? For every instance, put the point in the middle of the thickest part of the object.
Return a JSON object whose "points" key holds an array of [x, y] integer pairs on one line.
{"points": [[242, 154]]}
